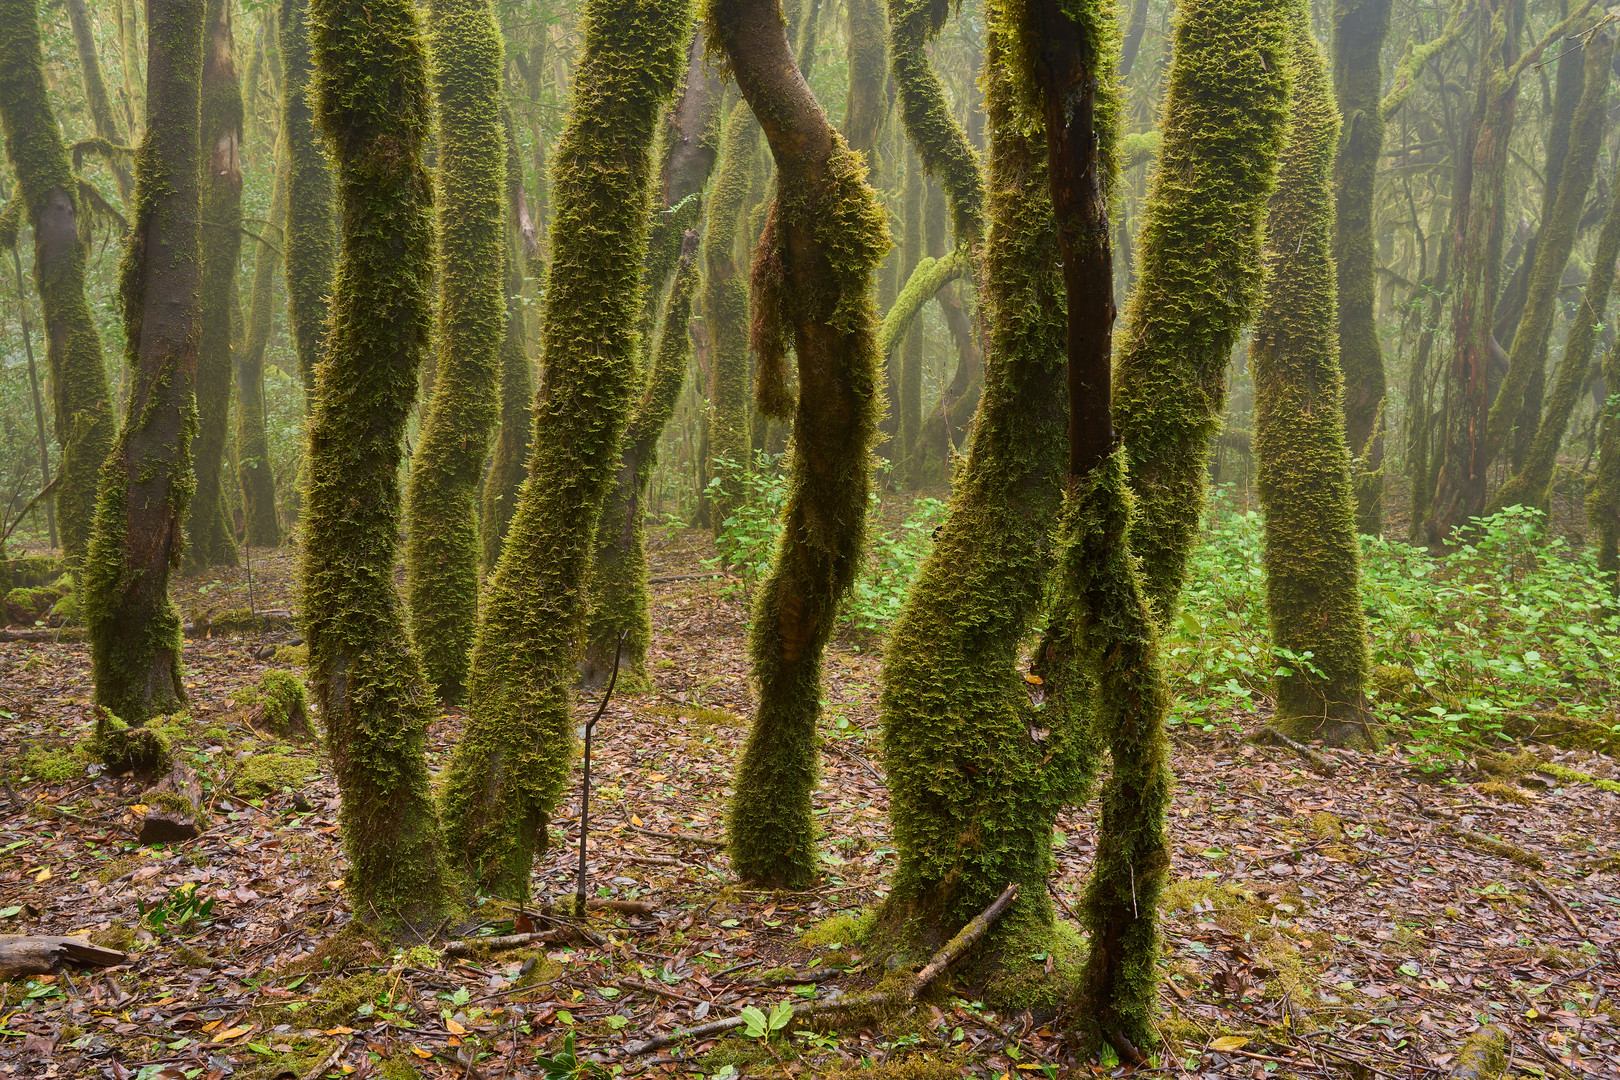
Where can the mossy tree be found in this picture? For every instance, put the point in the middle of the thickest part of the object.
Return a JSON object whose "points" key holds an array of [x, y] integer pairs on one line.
{"points": [[82, 405], [311, 243], [811, 283], [442, 544], [906, 364], [1603, 496], [866, 105], [210, 539], [936, 136], [513, 760], [133, 626], [96, 98], [1311, 556], [254, 475], [1225, 116], [372, 100]]}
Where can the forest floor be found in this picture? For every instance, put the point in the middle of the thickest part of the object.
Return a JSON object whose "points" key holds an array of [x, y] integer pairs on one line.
{"points": [[1362, 924]]}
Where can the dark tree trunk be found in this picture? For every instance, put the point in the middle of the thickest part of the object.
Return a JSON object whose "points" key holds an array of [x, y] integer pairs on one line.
{"points": [[311, 245]]}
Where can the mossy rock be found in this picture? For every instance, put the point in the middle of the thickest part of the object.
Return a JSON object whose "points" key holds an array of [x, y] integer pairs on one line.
{"points": [[267, 774], [292, 655], [142, 751], [278, 705], [1563, 730], [25, 607]]}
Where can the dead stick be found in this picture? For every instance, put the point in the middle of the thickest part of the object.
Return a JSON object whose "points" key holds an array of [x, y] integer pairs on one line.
{"points": [[948, 954], [660, 991], [1318, 762], [467, 946], [695, 839], [328, 1061], [585, 792], [1563, 909]]}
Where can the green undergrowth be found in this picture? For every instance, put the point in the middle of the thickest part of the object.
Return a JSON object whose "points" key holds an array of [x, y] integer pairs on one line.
{"points": [[1511, 635]]}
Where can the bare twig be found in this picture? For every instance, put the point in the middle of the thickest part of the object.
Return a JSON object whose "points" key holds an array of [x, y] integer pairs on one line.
{"points": [[681, 837], [585, 791]]}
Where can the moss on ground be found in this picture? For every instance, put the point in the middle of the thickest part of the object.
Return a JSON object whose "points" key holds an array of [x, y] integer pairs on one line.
{"points": [[267, 774], [143, 751]]}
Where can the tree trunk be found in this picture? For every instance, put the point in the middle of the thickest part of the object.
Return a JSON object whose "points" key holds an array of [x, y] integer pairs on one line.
{"points": [[1225, 118], [311, 245], [374, 110], [866, 106], [1312, 558], [95, 95], [513, 760], [811, 286], [442, 546], [133, 626], [1359, 30], [1603, 496], [908, 358], [82, 406], [936, 136], [253, 470], [210, 540], [130, 64]]}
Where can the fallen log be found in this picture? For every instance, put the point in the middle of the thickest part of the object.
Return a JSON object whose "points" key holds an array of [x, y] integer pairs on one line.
{"points": [[1483, 1057], [27, 954]]}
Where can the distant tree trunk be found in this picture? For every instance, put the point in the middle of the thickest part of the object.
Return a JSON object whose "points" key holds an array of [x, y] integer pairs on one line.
{"points": [[866, 106], [1225, 118], [1603, 497], [811, 287], [908, 358], [1419, 406], [1312, 559], [725, 312], [1554, 243], [311, 245], [253, 470], [442, 548], [82, 405], [1134, 30], [936, 136], [95, 95], [129, 54], [1359, 30], [133, 626], [210, 540], [513, 760], [375, 112]]}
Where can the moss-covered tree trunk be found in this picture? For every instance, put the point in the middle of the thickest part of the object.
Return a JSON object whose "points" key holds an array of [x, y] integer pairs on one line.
{"points": [[866, 106], [1555, 241], [129, 56], [908, 358], [810, 288], [311, 241], [82, 406], [253, 472], [1603, 497], [935, 135], [1311, 557], [513, 760], [442, 548], [95, 96], [210, 539], [373, 104], [1225, 116], [133, 626], [1359, 30]]}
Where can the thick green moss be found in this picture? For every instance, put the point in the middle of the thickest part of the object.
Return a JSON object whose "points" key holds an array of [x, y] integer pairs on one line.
{"points": [[311, 241], [82, 405], [147, 480], [1312, 556], [209, 539], [373, 105], [513, 760], [253, 471], [270, 774], [1225, 115], [442, 547], [123, 749], [277, 704]]}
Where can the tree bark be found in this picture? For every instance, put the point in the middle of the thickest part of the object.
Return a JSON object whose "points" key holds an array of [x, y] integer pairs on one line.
{"points": [[95, 95], [253, 470], [311, 245]]}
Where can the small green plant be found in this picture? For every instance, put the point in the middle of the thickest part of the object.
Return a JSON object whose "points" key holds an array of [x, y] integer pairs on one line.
{"points": [[183, 911], [747, 537], [756, 1025], [566, 1064]]}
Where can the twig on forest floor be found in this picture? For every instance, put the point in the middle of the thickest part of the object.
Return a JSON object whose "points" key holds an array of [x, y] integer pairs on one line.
{"points": [[936, 966], [1563, 909], [467, 946], [695, 839], [683, 577], [585, 790], [837, 746], [328, 1061], [1317, 761]]}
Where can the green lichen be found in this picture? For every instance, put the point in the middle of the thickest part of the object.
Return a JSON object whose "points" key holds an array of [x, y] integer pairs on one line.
{"points": [[442, 546], [513, 759], [374, 108], [311, 241], [1311, 556]]}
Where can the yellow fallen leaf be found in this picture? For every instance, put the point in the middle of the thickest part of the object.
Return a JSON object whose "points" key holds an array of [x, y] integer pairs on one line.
{"points": [[339, 1030], [454, 1028], [656, 776], [346, 1069], [44, 872], [335, 883], [232, 1033], [166, 1001], [421, 1053], [1034, 680], [138, 810], [212, 1024], [1229, 1042], [634, 820]]}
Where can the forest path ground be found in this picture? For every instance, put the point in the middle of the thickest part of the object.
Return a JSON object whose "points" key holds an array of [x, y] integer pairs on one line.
{"points": [[1352, 925]]}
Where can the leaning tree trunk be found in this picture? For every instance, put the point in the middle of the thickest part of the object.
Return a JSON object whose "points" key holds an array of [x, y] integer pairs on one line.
{"points": [[811, 287], [1312, 559], [311, 243], [907, 362], [512, 762], [210, 540], [81, 403], [441, 548], [95, 96], [938, 139], [257, 480], [1225, 117], [133, 626], [1359, 30], [374, 110]]}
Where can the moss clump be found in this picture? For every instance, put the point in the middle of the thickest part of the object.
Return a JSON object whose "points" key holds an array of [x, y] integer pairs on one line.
{"points": [[292, 655], [840, 930], [52, 766], [1505, 792], [399, 1066], [123, 749], [278, 705], [116, 936], [266, 774], [24, 607]]}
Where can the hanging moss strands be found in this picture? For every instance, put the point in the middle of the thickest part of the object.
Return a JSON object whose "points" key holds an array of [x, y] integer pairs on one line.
{"points": [[938, 139], [442, 543], [253, 472], [1225, 116], [372, 100], [509, 459], [210, 540], [972, 796], [83, 411], [513, 760], [1312, 556], [133, 626], [311, 245], [811, 287]]}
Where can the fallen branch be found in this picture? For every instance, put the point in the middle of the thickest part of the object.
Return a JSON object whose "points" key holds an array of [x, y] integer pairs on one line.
{"points": [[948, 954], [683, 577], [468, 946], [25, 954], [1552, 897], [1318, 762], [695, 839]]}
